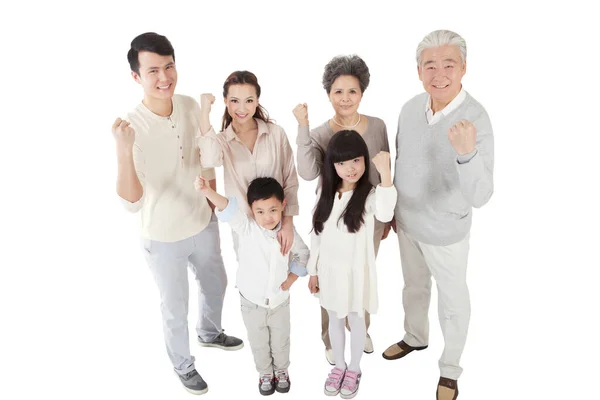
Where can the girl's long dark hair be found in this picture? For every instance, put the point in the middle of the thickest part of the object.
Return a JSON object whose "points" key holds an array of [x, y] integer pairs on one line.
{"points": [[344, 145], [240, 78]]}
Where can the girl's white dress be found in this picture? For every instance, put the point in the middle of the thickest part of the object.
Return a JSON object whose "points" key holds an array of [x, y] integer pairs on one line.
{"points": [[344, 261]]}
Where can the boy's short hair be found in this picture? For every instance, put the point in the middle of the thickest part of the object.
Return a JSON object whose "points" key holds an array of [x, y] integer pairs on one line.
{"points": [[149, 41], [264, 188]]}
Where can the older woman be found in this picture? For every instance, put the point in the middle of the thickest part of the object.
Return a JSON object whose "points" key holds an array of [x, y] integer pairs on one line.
{"points": [[345, 80]]}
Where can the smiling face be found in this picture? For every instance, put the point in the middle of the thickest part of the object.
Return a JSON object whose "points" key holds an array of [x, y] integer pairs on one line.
{"points": [[157, 75], [268, 212], [345, 95], [441, 71], [241, 102], [351, 170]]}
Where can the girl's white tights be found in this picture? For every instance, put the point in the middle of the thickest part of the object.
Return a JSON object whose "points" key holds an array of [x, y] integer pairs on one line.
{"points": [[358, 336]]}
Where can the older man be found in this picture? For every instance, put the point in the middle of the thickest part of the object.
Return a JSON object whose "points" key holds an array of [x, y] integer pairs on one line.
{"points": [[444, 168]]}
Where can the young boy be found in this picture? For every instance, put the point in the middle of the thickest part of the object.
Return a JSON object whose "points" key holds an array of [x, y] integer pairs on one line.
{"points": [[264, 275]]}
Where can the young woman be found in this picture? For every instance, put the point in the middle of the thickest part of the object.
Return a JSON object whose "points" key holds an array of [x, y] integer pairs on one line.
{"points": [[249, 146]]}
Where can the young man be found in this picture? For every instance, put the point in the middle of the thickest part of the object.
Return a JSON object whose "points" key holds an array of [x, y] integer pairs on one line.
{"points": [[157, 164], [264, 276]]}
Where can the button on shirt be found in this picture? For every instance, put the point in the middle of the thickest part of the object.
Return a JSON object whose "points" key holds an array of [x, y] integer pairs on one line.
{"points": [[167, 162]]}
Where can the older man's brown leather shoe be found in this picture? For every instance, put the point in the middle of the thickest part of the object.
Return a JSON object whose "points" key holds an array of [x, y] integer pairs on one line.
{"points": [[399, 350], [447, 389]]}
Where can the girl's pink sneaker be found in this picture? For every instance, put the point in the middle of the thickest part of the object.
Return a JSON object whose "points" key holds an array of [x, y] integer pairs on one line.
{"points": [[334, 381], [350, 385]]}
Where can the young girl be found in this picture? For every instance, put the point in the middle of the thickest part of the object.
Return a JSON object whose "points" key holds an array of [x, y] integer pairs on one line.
{"points": [[249, 146], [342, 259]]}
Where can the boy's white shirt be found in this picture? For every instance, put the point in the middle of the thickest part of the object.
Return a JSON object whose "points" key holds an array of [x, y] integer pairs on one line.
{"points": [[262, 268]]}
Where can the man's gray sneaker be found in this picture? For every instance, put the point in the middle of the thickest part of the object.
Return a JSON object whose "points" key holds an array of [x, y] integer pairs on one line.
{"points": [[223, 342], [266, 385], [193, 382]]}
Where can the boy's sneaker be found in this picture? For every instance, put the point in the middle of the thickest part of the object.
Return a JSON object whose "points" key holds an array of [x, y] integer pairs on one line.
{"points": [[193, 382], [282, 381], [266, 385], [350, 386], [333, 383], [223, 342]]}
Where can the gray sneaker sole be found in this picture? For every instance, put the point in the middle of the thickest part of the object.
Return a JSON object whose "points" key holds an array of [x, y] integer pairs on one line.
{"points": [[220, 346], [196, 392], [192, 391], [284, 389]]}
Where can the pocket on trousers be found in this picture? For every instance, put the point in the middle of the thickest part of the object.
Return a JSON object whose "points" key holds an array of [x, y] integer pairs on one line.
{"points": [[146, 246], [246, 305]]}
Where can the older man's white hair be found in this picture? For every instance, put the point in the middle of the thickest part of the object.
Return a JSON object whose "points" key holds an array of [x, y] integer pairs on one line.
{"points": [[442, 38]]}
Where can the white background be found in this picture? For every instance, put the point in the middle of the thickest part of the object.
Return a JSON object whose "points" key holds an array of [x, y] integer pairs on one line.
{"points": [[79, 309]]}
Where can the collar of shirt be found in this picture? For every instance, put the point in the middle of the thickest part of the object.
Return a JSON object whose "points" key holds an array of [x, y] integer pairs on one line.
{"points": [[261, 125], [146, 111], [272, 233], [433, 118], [344, 194]]}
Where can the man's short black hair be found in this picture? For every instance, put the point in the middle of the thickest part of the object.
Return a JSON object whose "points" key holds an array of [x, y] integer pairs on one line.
{"points": [[149, 41]]}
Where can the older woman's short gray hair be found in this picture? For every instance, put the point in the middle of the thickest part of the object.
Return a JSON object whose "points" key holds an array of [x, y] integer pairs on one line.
{"points": [[346, 65], [442, 38]]}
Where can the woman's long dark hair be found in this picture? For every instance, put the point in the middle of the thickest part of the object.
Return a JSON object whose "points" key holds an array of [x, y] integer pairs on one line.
{"points": [[344, 145], [241, 78]]}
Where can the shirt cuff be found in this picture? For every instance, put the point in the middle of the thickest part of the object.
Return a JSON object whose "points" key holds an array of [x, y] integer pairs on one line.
{"points": [[209, 173], [311, 267], [229, 212], [133, 207], [303, 138], [465, 158], [291, 210], [210, 132], [298, 269]]}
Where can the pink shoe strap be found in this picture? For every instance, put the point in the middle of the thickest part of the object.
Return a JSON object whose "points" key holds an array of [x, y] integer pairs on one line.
{"points": [[336, 375], [350, 380]]}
